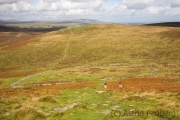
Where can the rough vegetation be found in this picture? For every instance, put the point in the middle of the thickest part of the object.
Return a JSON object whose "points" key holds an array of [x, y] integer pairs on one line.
{"points": [[60, 74]]}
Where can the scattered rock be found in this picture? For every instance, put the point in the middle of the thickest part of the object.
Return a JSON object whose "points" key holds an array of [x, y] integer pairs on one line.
{"points": [[115, 107], [106, 112], [7, 113], [105, 104], [108, 101], [93, 105], [61, 110], [132, 110], [99, 91]]}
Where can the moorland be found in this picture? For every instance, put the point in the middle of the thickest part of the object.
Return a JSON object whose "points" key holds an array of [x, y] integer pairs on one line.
{"points": [[60, 74]]}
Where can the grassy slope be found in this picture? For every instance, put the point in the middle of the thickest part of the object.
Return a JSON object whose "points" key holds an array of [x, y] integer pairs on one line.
{"points": [[92, 53], [97, 45], [109, 105]]}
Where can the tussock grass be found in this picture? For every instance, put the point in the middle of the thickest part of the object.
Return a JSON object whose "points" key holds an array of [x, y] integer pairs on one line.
{"points": [[28, 114], [48, 99], [93, 105]]}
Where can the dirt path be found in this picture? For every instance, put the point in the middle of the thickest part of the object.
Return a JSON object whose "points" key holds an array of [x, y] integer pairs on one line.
{"points": [[154, 70], [65, 50], [16, 84]]}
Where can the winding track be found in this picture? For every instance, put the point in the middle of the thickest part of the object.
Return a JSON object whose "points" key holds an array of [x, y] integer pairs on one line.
{"points": [[15, 84], [65, 50], [154, 70]]}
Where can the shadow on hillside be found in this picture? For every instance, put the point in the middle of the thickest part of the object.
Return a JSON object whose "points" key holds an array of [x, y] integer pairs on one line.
{"points": [[16, 29], [165, 24]]}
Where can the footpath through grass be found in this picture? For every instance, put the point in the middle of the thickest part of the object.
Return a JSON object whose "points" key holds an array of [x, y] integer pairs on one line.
{"points": [[95, 53]]}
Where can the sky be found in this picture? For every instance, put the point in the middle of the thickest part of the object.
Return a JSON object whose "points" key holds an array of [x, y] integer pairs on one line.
{"points": [[117, 11]]}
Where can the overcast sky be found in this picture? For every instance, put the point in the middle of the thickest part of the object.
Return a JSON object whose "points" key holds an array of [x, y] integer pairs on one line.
{"points": [[119, 11]]}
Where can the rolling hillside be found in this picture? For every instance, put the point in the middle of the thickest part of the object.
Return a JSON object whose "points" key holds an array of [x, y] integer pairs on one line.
{"points": [[25, 53], [60, 74]]}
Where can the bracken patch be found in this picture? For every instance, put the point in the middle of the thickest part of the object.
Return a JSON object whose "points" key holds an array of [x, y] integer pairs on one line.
{"points": [[147, 84]]}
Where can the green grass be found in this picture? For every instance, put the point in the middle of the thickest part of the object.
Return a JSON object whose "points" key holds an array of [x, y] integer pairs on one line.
{"points": [[89, 73], [93, 105], [91, 53], [6, 82]]}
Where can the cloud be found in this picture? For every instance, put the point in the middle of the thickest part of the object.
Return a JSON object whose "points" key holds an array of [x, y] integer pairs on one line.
{"points": [[12, 1], [175, 3], [161, 2], [138, 4], [52, 5], [173, 12], [154, 10], [91, 9], [8, 1]]}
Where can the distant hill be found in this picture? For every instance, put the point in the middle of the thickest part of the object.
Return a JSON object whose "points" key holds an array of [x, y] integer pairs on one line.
{"points": [[17, 29], [48, 24], [57, 21], [4, 28], [167, 24]]}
